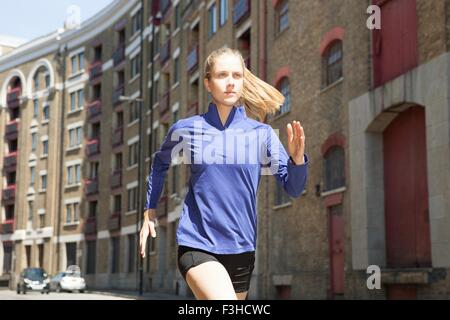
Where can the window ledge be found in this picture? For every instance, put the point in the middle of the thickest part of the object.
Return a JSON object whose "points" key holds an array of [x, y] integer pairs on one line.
{"points": [[132, 123], [44, 156], [134, 166], [76, 74], [334, 191], [338, 81], [134, 78], [147, 159], [175, 32], [75, 111], [156, 57], [43, 191], [73, 148], [129, 213], [156, 105], [134, 36], [175, 85], [281, 206], [44, 121], [70, 186], [70, 224]]}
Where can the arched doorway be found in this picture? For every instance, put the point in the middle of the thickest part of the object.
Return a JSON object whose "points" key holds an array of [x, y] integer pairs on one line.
{"points": [[408, 243]]}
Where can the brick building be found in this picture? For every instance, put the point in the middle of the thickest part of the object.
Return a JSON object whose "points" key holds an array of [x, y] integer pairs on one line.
{"points": [[77, 103]]}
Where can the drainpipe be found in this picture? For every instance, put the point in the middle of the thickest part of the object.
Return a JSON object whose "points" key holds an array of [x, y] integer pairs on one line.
{"points": [[61, 55]]}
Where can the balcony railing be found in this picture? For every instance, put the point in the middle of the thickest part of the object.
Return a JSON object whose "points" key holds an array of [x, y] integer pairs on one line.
{"points": [[90, 225], [95, 70], [119, 55], [114, 221], [241, 10], [164, 53], [116, 179], [7, 226], [91, 186], [119, 91], [11, 159], [13, 97], [94, 109], [12, 128], [93, 147], [164, 103], [9, 193], [192, 59]]}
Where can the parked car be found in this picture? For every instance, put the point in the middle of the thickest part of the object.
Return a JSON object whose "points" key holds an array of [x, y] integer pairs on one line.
{"points": [[33, 279], [68, 280]]}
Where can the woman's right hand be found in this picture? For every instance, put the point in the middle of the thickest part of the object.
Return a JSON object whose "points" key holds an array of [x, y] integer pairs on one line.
{"points": [[147, 227]]}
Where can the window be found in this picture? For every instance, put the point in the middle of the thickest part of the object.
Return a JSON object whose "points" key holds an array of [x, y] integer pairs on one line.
{"points": [[212, 20], [76, 100], [131, 252], [135, 66], [42, 220], [68, 213], [93, 170], [177, 16], [176, 70], [118, 162], [36, 81], [75, 136], [32, 175], [134, 110], [115, 243], [98, 53], [97, 92], [117, 206], [332, 63], [282, 16], [77, 62], [175, 179], [45, 147], [72, 212], [281, 197], [92, 209], [47, 80], [91, 253], [33, 141], [223, 12], [133, 154], [30, 210], [156, 43], [46, 111], [35, 108], [132, 199], [284, 88], [44, 182], [155, 92], [334, 168], [136, 22], [73, 174]]}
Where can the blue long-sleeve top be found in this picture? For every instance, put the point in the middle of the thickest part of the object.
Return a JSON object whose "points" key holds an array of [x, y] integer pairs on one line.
{"points": [[226, 163]]}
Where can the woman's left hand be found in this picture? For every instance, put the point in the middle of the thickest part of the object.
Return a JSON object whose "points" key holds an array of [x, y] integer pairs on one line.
{"points": [[296, 142]]}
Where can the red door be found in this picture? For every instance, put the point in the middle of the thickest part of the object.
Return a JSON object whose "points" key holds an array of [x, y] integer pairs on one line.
{"points": [[406, 193], [336, 246]]}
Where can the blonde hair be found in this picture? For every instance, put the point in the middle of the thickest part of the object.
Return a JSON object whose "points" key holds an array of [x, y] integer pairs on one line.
{"points": [[258, 97]]}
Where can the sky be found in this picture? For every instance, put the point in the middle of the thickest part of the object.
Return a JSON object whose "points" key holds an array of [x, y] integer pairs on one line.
{"points": [[30, 19]]}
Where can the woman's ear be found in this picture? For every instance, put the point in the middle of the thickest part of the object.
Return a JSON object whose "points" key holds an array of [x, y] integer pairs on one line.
{"points": [[206, 83]]}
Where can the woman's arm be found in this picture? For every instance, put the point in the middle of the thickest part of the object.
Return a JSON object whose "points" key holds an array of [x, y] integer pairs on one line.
{"points": [[290, 175], [160, 165]]}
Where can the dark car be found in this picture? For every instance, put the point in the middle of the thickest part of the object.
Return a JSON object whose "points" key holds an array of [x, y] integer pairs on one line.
{"points": [[33, 279]]}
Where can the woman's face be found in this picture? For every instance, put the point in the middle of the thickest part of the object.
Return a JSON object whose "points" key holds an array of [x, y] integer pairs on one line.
{"points": [[226, 81]]}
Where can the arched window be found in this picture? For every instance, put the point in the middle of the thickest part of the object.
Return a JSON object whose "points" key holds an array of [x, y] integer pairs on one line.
{"points": [[41, 79], [334, 168], [332, 63], [284, 88]]}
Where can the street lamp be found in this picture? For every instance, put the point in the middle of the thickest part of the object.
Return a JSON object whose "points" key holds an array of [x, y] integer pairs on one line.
{"points": [[140, 100]]}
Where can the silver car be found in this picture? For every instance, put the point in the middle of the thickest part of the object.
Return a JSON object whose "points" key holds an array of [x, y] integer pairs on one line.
{"points": [[68, 281]]}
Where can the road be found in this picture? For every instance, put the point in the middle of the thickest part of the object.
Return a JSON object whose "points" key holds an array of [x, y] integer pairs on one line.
{"points": [[12, 295]]}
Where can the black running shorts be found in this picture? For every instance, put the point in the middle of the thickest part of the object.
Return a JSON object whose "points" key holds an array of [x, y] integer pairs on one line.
{"points": [[239, 266]]}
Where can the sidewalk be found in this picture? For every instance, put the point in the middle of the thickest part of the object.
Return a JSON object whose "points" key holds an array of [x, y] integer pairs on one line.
{"points": [[135, 295]]}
